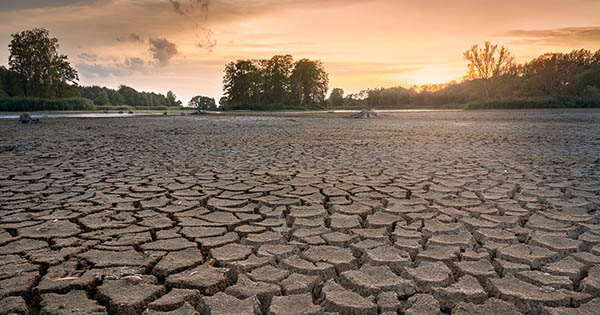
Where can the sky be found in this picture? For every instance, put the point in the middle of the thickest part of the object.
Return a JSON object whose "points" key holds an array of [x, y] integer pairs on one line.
{"points": [[183, 45]]}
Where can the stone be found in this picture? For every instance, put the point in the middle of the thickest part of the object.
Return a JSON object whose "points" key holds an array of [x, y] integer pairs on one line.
{"points": [[205, 278], [589, 308], [366, 113], [533, 256], [106, 258], [422, 304], [298, 283], [127, 296], [298, 304], [223, 304], [429, 275], [341, 258], [245, 288], [566, 267], [175, 299], [591, 283], [14, 305], [388, 302], [491, 306], [527, 297], [185, 309], [269, 274], [345, 302], [177, 261], [71, 303], [371, 280], [171, 244], [466, 289], [389, 256], [544, 279], [480, 269], [231, 252]]}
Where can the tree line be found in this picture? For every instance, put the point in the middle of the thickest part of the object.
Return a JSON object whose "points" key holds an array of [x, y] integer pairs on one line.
{"points": [[126, 95], [493, 76], [37, 70], [279, 80]]}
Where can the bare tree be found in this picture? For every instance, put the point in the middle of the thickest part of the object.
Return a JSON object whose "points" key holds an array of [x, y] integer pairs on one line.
{"points": [[488, 64]]}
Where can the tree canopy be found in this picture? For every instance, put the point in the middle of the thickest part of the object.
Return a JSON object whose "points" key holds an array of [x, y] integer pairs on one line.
{"points": [[34, 56], [278, 80], [203, 103]]}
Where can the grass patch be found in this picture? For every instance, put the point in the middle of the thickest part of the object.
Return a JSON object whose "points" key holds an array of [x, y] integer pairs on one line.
{"points": [[269, 107], [30, 104], [127, 107], [539, 102]]}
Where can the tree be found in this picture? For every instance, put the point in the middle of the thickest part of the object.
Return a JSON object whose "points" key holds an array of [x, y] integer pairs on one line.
{"points": [[276, 73], [101, 98], [115, 97], [203, 103], [171, 98], [223, 101], [552, 73], [242, 82], [309, 82], [34, 56], [336, 97], [488, 64]]}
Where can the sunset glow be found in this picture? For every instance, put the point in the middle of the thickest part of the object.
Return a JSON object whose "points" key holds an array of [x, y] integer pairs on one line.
{"points": [[363, 44]]}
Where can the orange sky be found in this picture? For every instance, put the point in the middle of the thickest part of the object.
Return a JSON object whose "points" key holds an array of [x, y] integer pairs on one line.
{"points": [[183, 45]]}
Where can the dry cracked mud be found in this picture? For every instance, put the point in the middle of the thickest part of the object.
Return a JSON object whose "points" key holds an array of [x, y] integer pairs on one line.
{"points": [[289, 213]]}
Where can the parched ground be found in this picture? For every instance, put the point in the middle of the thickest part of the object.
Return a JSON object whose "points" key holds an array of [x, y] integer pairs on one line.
{"points": [[412, 213]]}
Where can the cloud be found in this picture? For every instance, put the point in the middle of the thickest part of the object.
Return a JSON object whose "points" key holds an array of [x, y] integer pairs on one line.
{"points": [[177, 6], [88, 57], [132, 37], [17, 5], [191, 7], [566, 36], [162, 50], [129, 66]]}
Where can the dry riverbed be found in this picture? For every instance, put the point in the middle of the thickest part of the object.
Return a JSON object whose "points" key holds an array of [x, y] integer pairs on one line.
{"points": [[491, 212]]}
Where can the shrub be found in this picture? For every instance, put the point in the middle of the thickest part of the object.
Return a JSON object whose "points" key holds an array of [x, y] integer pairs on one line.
{"points": [[30, 104], [539, 102]]}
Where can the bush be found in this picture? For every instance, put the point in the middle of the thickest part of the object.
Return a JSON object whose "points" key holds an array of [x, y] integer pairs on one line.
{"points": [[539, 102], [30, 104], [268, 107]]}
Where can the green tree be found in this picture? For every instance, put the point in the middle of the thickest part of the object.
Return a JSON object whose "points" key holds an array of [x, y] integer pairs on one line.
{"points": [[115, 97], [276, 74], [552, 73], [101, 98], [223, 101], [337, 97], [203, 102], [171, 98], [130, 95], [309, 82], [34, 56], [242, 82], [489, 63]]}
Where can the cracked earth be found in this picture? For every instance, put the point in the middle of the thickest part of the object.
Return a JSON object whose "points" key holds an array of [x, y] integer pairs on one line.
{"points": [[411, 213]]}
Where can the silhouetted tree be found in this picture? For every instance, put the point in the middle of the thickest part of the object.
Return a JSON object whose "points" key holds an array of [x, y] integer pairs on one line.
{"points": [[223, 101], [34, 56], [552, 73], [242, 82], [488, 63], [276, 75], [337, 97], [203, 103], [309, 82]]}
